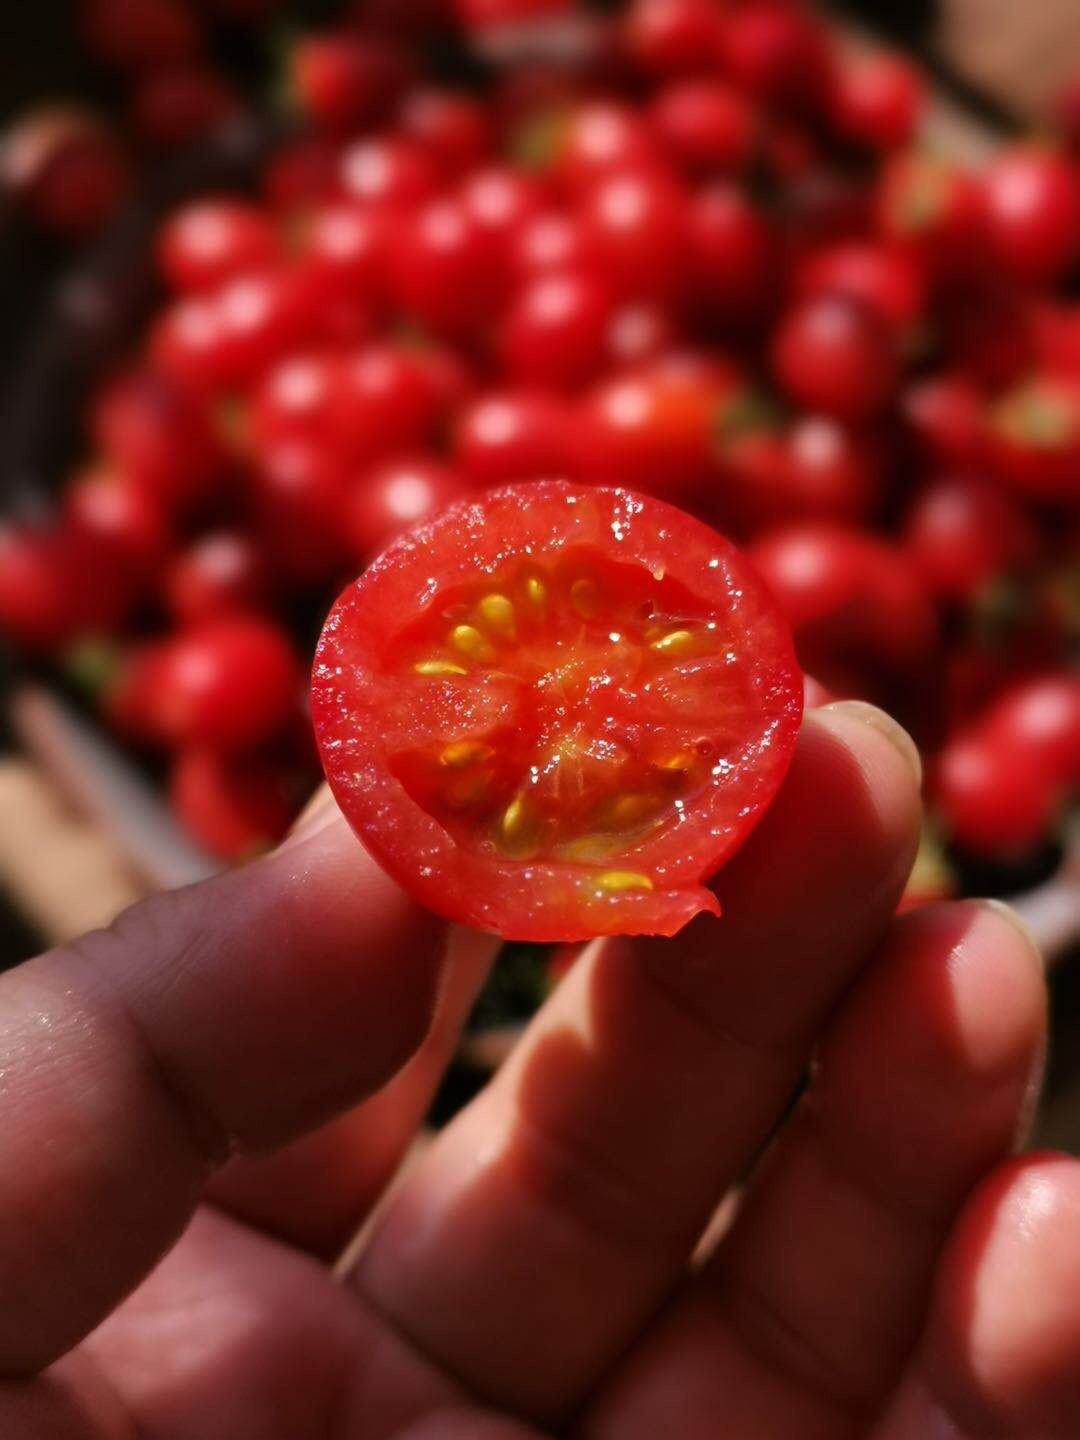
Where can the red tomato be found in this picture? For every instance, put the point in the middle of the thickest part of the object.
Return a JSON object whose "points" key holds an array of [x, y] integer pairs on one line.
{"points": [[295, 400], [343, 249], [235, 807], [182, 104], [861, 614], [995, 799], [636, 222], [776, 51], [157, 436], [394, 497], [947, 416], [549, 242], [300, 493], [883, 278], [556, 330], [208, 242], [302, 172], [554, 711], [392, 398], [730, 254], [962, 533], [227, 685], [930, 204], [1034, 438], [706, 126], [876, 99], [512, 435], [139, 34], [439, 269], [1041, 716], [499, 201], [66, 167], [344, 82], [1031, 213], [814, 470], [833, 355], [388, 173], [673, 36], [592, 139], [451, 125], [218, 574], [35, 599], [122, 518]]}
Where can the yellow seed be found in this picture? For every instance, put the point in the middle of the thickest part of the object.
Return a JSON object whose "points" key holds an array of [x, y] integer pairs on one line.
{"points": [[682, 760], [468, 640], [536, 590], [611, 882], [463, 753], [519, 833], [438, 667], [675, 642], [630, 810], [584, 597], [499, 614], [515, 819]]}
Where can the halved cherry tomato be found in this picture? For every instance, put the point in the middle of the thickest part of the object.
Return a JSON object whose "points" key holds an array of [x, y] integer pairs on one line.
{"points": [[554, 711]]}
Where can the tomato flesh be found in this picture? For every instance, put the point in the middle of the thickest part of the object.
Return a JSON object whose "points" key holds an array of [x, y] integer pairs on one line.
{"points": [[552, 711]]}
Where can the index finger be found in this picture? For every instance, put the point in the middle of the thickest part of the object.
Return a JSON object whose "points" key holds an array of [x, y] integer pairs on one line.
{"points": [[229, 1016]]}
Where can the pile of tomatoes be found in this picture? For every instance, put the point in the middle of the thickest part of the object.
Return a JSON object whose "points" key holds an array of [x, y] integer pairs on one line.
{"points": [[694, 248]]}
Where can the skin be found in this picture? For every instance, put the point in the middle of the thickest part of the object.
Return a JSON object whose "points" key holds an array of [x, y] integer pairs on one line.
{"points": [[202, 1106]]}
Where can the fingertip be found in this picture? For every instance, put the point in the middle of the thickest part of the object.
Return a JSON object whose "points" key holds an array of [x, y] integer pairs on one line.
{"points": [[1005, 1328]]}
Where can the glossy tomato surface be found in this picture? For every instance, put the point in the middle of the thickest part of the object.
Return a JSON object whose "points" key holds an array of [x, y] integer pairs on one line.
{"points": [[555, 710]]}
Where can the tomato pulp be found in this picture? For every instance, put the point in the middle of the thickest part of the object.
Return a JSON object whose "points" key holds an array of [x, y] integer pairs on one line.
{"points": [[553, 711]]}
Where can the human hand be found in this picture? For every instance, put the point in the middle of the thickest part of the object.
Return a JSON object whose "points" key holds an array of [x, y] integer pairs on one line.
{"points": [[168, 1090]]}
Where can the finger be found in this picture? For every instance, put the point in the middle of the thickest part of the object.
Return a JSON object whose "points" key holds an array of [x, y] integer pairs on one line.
{"points": [[232, 1015], [999, 1356], [546, 1223], [816, 1296], [316, 1192]]}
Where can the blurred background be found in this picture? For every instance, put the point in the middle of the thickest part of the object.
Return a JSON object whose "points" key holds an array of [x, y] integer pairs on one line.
{"points": [[280, 279]]}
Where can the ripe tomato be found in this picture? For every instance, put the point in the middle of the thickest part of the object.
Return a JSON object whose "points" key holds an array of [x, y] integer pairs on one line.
{"points": [[209, 242], [673, 36], [65, 165], [554, 711], [393, 397], [451, 125], [394, 497], [833, 355], [228, 685], [947, 416], [388, 173], [883, 278], [706, 126], [343, 250], [1031, 213], [930, 205], [1034, 438], [139, 34], [122, 518], [235, 807], [730, 255], [778, 52], [182, 104], [299, 493], [876, 100], [344, 82], [157, 436], [580, 145], [556, 330], [636, 221], [1041, 715], [218, 574], [512, 435], [438, 268], [995, 798], [962, 532]]}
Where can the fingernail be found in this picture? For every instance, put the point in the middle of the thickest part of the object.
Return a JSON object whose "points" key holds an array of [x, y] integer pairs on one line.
{"points": [[1009, 915], [885, 725]]}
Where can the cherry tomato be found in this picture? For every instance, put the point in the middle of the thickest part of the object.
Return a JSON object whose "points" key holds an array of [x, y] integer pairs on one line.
{"points": [[512, 435], [295, 400], [228, 685], [931, 205], [157, 436], [35, 599], [706, 126], [220, 573], [777, 52], [556, 329], [304, 171], [637, 223], [861, 614], [549, 760], [1031, 213], [343, 249], [499, 201], [234, 806], [139, 34], [947, 416], [439, 271], [995, 799], [210, 241], [393, 398], [299, 491], [183, 104], [730, 253], [551, 241], [962, 532], [67, 169], [451, 125], [880, 277], [582, 143], [1034, 438], [836, 356], [876, 100], [1041, 716], [673, 36], [343, 81], [122, 518], [816, 469], [395, 496], [388, 173]]}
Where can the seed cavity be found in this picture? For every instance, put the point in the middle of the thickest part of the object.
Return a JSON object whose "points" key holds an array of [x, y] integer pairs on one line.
{"points": [[615, 882], [625, 810], [498, 613], [536, 591], [468, 641], [439, 667], [585, 598], [675, 642], [466, 790], [678, 763]]}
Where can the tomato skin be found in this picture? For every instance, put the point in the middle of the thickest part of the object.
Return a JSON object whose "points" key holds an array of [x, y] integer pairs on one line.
{"points": [[510, 435], [235, 808], [452, 127], [220, 573], [672, 36], [392, 397], [1041, 715], [439, 272], [706, 126], [962, 532], [555, 331], [1031, 213], [299, 491], [387, 173], [182, 104], [876, 100], [592, 139], [730, 253], [947, 416], [995, 800], [343, 82], [209, 242], [396, 496], [535, 899], [880, 277], [228, 685], [930, 206], [1034, 438], [636, 221], [835, 356]]}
